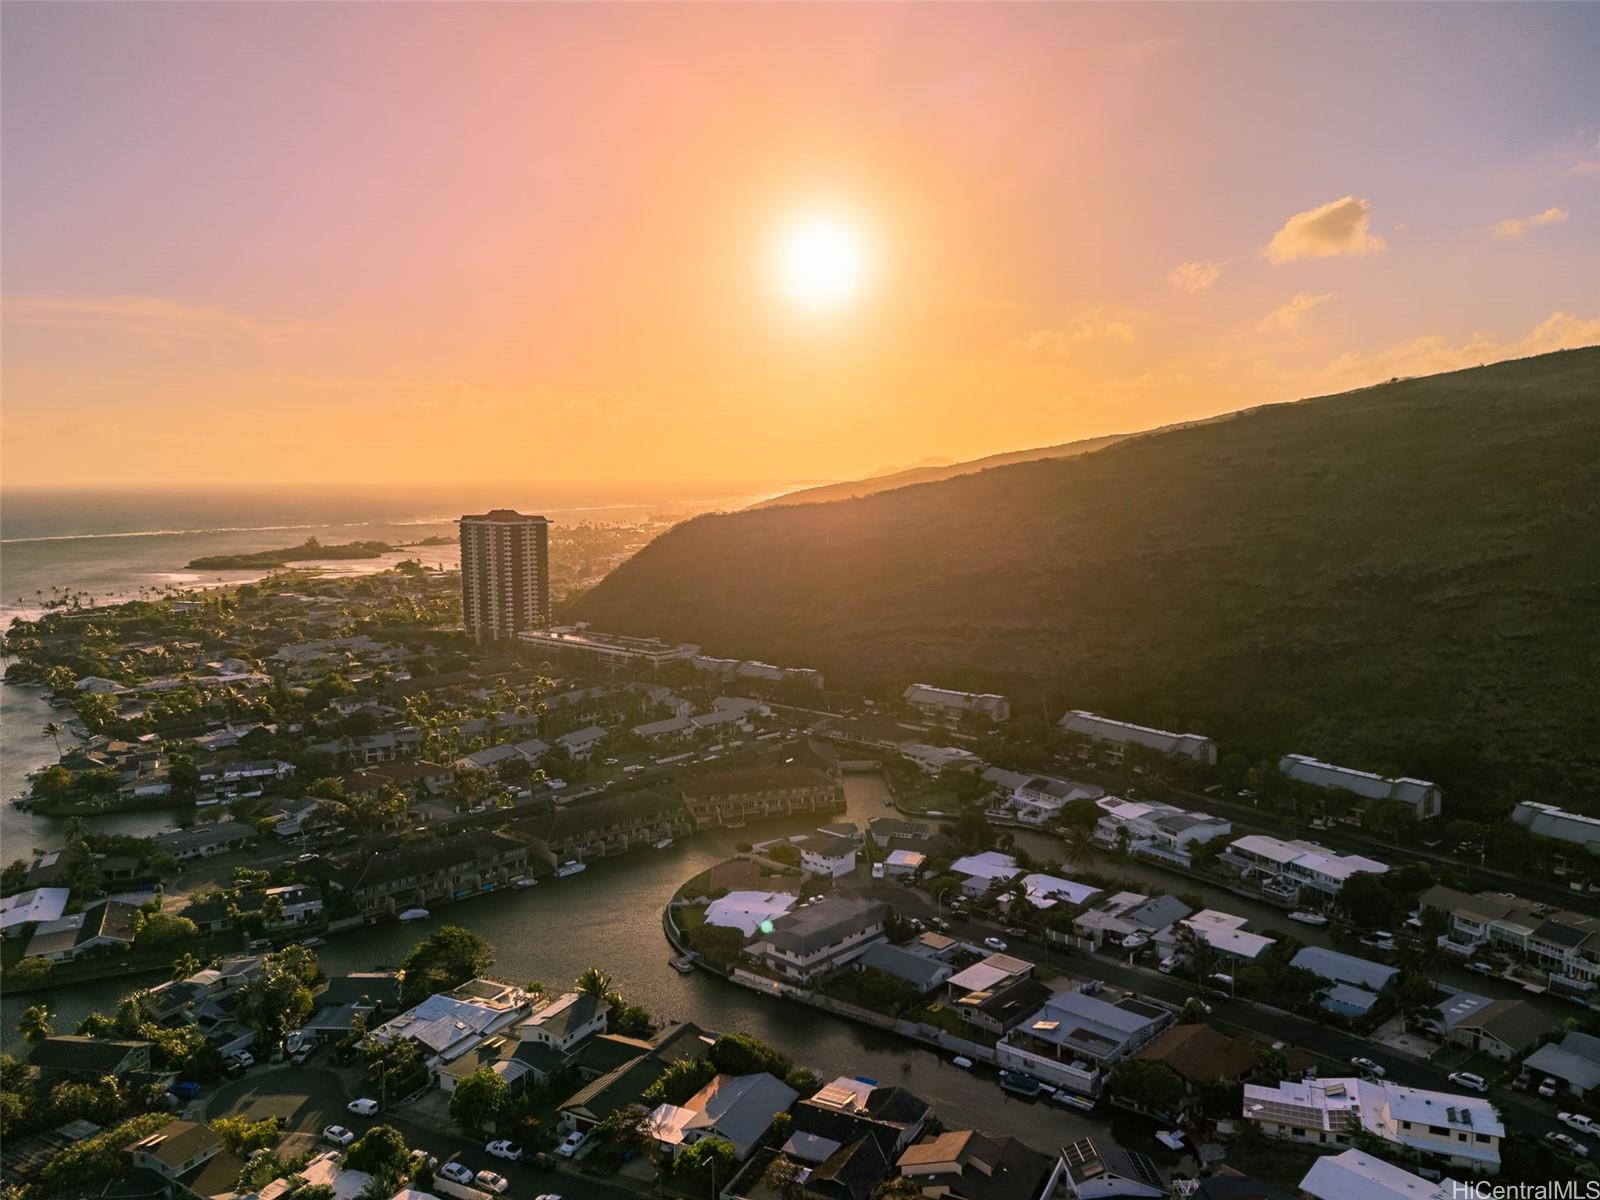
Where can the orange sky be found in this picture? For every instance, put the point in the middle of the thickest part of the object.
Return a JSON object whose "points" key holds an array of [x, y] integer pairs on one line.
{"points": [[379, 242]]}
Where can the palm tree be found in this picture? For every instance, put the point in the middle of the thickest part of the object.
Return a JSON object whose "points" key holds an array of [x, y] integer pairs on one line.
{"points": [[34, 1023], [52, 729], [596, 983], [1077, 845]]}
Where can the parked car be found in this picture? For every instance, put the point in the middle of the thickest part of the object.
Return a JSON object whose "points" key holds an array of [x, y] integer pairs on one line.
{"points": [[1580, 1122], [1467, 1079], [569, 1144], [299, 1057], [1481, 968], [941, 924], [338, 1135], [541, 1161], [363, 1107], [994, 943], [1548, 1087], [1566, 1142], [1368, 1067], [548, 1196], [457, 1172], [244, 1058], [505, 1149], [185, 1089], [492, 1180], [1016, 931], [418, 1157]]}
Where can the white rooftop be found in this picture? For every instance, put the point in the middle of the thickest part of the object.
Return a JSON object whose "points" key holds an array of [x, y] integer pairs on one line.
{"points": [[1354, 1175], [745, 911], [990, 865]]}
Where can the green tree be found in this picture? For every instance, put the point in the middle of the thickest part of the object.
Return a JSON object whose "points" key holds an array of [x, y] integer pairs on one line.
{"points": [[274, 1002], [709, 1163], [741, 1054], [97, 1159], [682, 1079], [1146, 1085], [34, 1023], [183, 777], [478, 1099], [447, 958], [52, 730], [381, 1152], [167, 929], [1366, 901], [243, 1136], [596, 983]]}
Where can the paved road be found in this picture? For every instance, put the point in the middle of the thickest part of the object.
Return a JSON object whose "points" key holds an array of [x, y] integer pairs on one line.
{"points": [[311, 1097]]}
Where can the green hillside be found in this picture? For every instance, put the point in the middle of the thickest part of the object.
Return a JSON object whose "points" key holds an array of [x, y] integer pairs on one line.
{"points": [[1405, 577]]}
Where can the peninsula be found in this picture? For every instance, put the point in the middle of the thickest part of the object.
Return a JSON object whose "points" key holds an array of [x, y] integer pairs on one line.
{"points": [[307, 550]]}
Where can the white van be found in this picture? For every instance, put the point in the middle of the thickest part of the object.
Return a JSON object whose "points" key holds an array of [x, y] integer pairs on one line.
{"points": [[1169, 964]]}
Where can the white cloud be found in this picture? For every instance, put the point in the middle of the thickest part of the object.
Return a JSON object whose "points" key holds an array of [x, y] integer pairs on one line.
{"points": [[1515, 227], [1336, 228], [1194, 277], [1098, 324], [1288, 317], [1586, 166], [144, 315]]}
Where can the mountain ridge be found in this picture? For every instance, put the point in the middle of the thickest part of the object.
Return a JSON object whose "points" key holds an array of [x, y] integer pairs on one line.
{"points": [[1404, 577]]}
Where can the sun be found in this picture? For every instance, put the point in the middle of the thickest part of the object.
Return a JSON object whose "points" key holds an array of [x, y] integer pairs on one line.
{"points": [[820, 260]]}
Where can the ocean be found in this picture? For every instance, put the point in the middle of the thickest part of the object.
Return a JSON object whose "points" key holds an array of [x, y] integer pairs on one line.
{"points": [[113, 545]]}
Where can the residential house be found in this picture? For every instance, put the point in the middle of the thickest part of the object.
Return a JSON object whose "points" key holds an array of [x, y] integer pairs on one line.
{"points": [[822, 855], [33, 906], [848, 1110], [747, 911], [883, 830], [1199, 1056], [672, 729], [1355, 983], [932, 760], [751, 793], [103, 926], [948, 705], [1564, 944], [997, 1011], [1286, 867], [89, 1058], [1502, 1029], [1048, 891], [1424, 799], [1076, 1036], [983, 872], [1451, 1130], [739, 1109], [967, 1165], [1127, 914], [922, 971], [1574, 1060], [1355, 1175], [448, 1024], [1093, 1169], [566, 1021], [1114, 737], [581, 743], [176, 1149], [1223, 932], [388, 746], [1032, 800], [901, 864], [627, 1083], [204, 841], [1156, 830], [807, 943]]}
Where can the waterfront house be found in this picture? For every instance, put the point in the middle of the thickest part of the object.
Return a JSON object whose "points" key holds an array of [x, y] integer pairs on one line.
{"points": [[89, 1058], [110, 924], [204, 841], [807, 943], [1113, 738], [996, 1011], [1093, 1169], [1284, 867], [1199, 1056], [566, 1021], [33, 906], [747, 911], [1156, 830], [848, 1110], [1075, 1036], [933, 760], [883, 830], [448, 1024], [1223, 932], [1564, 944], [922, 971], [1126, 913], [739, 1109], [824, 855], [1355, 983], [1032, 800], [1048, 891], [753, 793], [1441, 1127], [968, 1165], [1423, 798], [1355, 1175]]}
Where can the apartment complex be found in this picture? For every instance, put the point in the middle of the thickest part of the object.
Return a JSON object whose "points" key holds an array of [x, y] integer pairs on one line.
{"points": [[1547, 820], [1421, 797], [505, 574], [951, 705], [1114, 737], [1565, 944]]}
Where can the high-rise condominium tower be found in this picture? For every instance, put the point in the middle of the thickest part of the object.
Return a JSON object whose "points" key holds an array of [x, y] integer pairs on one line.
{"points": [[505, 574]]}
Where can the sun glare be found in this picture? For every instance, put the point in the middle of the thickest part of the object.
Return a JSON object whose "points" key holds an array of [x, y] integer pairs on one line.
{"points": [[820, 261]]}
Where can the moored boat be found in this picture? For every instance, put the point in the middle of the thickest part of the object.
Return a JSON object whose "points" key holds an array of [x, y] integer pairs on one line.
{"points": [[1073, 1100], [415, 914], [1020, 1083], [571, 867], [523, 881], [1308, 918], [663, 843]]}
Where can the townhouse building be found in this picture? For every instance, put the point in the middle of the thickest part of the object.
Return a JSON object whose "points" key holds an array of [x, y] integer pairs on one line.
{"points": [[451, 868], [949, 705], [1423, 798], [1112, 738], [749, 794]]}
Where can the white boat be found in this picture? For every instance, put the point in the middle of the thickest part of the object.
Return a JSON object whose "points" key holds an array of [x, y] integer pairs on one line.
{"points": [[1172, 1139], [1308, 918], [571, 867], [962, 1061], [523, 881], [415, 914], [663, 843]]}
